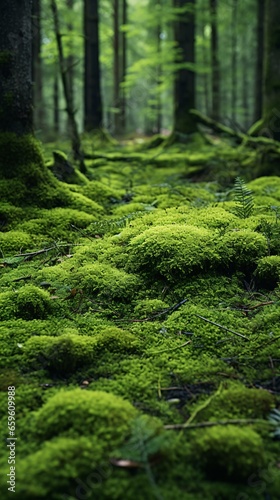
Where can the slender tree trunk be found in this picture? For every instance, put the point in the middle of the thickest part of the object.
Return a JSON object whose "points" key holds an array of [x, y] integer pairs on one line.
{"points": [[245, 80], [15, 66], [56, 101], [259, 63], [184, 98], [37, 76], [116, 48], [271, 107], [234, 61], [92, 78], [205, 62], [124, 66], [75, 139], [216, 97], [70, 61], [159, 71]]}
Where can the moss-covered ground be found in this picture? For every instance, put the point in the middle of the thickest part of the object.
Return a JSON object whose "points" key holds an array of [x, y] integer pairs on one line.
{"points": [[139, 312]]}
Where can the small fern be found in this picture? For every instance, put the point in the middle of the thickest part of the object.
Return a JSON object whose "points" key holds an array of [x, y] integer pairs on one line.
{"points": [[244, 198]]}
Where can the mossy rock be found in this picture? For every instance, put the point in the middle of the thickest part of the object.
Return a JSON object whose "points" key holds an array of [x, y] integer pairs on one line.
{"points": [[268, 271], [230, 452], [77, 412], [173, 250]]}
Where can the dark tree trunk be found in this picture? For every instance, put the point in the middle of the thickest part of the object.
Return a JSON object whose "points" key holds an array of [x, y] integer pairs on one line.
{"points": [[216, 98], [205, 76], [75, 139], [56, 101], [245, 81], [37, 76], [234, 61], [116, 47], [15, 66], [159, 71], [123, 67], [271, 108], [184, 98], [70, 61], [259, 64], [92, 95]]}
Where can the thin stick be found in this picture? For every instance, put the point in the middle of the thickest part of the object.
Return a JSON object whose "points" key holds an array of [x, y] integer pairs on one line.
{"points": [[221, 326], [171, 348], [219, 422]]}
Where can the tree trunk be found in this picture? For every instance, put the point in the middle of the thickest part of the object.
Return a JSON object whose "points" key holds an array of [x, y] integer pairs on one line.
{"points": [[37, 77], [116, 47], [184, 98], [159, 71], [259, 64], [271, 108], [124, 66], [205, 62], [245, 80], [234, 61], [216, 98], [15, 66], [75, 139], [70, 61], [92, 92], [56, 101]]}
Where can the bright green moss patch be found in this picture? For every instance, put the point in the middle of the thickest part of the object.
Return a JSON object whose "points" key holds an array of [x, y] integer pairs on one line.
{"points": [[268, 270], [76, 412]]}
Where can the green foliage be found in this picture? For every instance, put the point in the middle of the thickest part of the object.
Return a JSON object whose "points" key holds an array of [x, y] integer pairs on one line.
{"points": [[244, 197], [230, 452], [268, 271], [274, 418]]}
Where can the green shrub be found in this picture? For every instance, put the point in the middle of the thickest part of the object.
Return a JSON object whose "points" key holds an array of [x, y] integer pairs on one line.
{"points": [[88, 413], [230, 452]]}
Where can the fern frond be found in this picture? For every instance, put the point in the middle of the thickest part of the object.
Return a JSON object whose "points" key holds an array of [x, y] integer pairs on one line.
{"points": [[244, 198]]}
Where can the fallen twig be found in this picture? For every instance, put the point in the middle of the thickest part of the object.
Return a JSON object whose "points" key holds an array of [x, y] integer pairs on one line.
{"points": [[219, 422], [223, 327]]}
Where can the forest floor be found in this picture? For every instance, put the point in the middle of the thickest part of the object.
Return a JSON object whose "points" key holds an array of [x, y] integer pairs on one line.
{"points": [[140, 327]]}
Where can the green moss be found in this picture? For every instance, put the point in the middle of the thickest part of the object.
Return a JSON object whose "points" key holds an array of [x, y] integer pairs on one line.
{"points": [[149, 307], [237, 402], [173, 250], [14, 241], [76, 412], [70, 352], [229, 452], [242, 249], [33, 303], [268, 271]]}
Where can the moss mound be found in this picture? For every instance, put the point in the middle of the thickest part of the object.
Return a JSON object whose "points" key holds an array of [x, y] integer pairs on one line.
{"points": [[76, 412]]}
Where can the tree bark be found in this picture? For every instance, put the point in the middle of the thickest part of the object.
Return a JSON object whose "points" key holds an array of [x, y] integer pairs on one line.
{"points": [[92, 78], [116, 48], [259, 63], [75, 139], [184, 98], [234, 61], [56, 101], [15, 66], [124, 66], [37, 76], [159, 71], [216, 97], [70, 61], [271, 107]]}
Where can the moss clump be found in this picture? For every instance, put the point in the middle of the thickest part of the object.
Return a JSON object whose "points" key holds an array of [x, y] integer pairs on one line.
{"points": [[8, 306], [33, 303], [238, 402], [69, 353], [14, 241], [173, 249], [76, 412], [268, 271], [149, 307], [242, 249], [229, 452], [51, 471]]}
